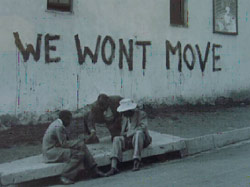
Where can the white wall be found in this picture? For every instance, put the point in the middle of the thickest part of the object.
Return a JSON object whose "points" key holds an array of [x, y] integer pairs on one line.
{"points": [[39, 87]]}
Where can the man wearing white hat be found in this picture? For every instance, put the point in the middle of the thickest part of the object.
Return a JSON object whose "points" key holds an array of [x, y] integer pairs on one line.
{"points": [[134, 134]]}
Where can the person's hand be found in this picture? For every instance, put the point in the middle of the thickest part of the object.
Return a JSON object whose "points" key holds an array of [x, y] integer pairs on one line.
{"points": [[92, 133], [92, 138], [131, 133]]}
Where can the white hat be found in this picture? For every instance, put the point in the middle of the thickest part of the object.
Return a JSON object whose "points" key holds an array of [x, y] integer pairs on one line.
{"points": [[125, 105]]}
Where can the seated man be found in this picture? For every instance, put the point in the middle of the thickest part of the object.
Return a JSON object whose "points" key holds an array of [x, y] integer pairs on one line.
{"points": [[102, 111], [57, 148], [134, 134]]}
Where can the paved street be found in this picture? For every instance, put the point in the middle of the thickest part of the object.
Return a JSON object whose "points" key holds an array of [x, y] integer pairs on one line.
{"points": [[224, 167]]}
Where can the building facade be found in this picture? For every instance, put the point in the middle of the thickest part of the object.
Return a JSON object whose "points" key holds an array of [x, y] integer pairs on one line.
{"points": [[56, 55]]}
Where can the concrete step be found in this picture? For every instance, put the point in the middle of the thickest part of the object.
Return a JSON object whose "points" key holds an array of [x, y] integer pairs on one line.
{"points": [[33, 168]]}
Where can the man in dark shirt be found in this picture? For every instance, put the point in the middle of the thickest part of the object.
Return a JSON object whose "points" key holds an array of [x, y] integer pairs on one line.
{"points": [[104, 110]]}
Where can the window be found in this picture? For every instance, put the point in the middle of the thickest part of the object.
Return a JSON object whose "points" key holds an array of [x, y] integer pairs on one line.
{"points": [[178, 12], [60, 5]]}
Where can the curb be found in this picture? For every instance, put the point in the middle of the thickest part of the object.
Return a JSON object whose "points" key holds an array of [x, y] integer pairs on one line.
{"points": [[199, 144], [218, 140], [33, 168], [190, 146]]}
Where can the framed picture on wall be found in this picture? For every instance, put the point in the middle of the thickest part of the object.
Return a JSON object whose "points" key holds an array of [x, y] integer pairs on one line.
{"points": [[225, 17]]}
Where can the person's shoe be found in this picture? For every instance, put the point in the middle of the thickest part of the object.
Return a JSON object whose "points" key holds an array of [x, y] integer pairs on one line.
{"points": [[66, 181], [112, 171], [98, 173], [136, 165], [91, 140]]}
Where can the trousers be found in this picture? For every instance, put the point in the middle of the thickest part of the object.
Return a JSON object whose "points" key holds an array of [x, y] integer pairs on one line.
{"points": [[121, 143], [80, 159]]}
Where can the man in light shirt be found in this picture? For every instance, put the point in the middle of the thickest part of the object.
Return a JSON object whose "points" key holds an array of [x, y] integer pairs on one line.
{"points": [[134, 134], [57, 147]]}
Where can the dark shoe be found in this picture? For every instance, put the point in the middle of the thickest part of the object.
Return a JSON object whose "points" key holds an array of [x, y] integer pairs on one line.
{"points": [[98, 173], [66, 181], [91, 140], [112, 171], [136, 165]]}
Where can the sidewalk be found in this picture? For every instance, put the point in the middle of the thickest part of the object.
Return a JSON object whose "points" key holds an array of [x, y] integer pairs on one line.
{"points": [[195, 131], [212, 128], [193, 124]]}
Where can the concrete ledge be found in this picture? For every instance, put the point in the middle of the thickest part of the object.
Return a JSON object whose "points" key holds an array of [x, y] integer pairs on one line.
{"points": [[212, 141], [200, 144], [33, 168], [230, 137], [27, 169]]}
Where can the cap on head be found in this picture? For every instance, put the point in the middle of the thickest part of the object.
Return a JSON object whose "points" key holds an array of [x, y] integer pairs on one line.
{"points": [[65, 114], [66, 117], [125, 105], [102, 99]]}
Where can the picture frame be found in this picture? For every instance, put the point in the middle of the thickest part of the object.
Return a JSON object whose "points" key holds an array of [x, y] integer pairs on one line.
{"points": [[225, 17]]}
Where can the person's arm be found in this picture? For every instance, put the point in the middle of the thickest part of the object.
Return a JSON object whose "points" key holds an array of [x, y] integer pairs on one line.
{"points": [[123, 127], [62, 137], [142, 123], [91, 122], [64, 140]]}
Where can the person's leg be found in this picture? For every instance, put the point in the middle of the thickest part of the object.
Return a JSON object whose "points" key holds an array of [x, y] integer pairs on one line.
{"points": [[117, 147], [114, 162], [81, 159], [72, 168], [138, 141], [91, 137], [116, 154], [89, 161]]}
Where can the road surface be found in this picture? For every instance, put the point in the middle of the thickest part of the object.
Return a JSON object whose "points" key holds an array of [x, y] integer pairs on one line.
{"points": [[227, 167]]}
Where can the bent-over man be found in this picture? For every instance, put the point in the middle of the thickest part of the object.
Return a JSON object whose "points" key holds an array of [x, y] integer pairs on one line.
{"points": [[57, 148], [102, 111], [134, 134]]}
